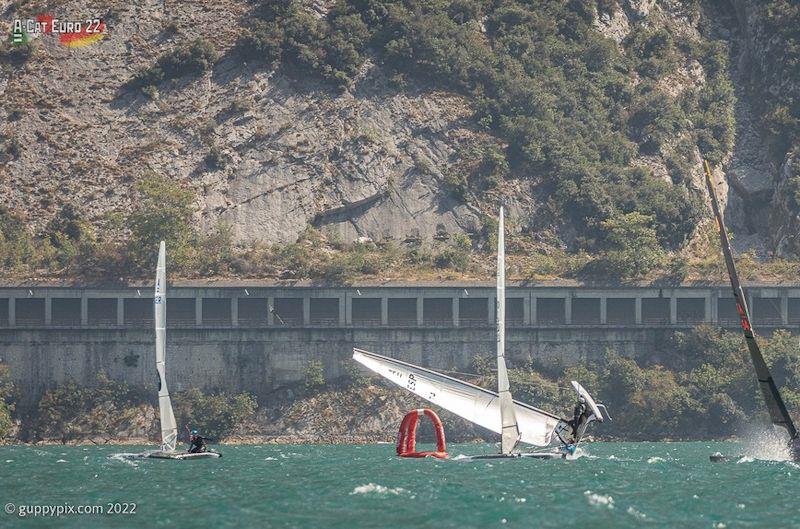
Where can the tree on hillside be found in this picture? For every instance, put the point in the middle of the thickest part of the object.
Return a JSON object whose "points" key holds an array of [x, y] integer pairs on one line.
{"points": [[163, 213], [631, 245]]}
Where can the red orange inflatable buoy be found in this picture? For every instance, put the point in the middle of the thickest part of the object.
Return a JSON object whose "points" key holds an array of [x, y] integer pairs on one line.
{"points": [[407, 436]]}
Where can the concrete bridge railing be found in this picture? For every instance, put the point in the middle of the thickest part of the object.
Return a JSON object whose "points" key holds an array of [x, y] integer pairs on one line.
{"points": [[404, 307]]}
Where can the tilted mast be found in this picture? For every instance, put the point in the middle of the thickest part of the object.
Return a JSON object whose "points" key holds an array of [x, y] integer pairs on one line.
{"points": [[510, 429], [777, 409]]}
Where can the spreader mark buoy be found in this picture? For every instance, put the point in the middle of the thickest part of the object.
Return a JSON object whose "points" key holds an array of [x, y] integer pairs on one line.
{"points": [[407, 436]]}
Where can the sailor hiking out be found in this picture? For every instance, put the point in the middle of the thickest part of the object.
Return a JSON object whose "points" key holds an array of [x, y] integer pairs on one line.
{"points": [[197, 443]]}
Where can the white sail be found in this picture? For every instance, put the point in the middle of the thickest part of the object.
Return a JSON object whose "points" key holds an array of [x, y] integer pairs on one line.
{"points": [[169, 428], [510, 429], [475, 404]]}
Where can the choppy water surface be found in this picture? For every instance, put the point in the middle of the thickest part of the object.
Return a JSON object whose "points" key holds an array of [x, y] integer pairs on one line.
{"points": [[613, 485]]}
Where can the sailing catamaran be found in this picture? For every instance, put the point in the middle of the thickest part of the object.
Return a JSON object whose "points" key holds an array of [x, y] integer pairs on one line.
{"points": [[169, 428], [515, 421], [775, 405]]}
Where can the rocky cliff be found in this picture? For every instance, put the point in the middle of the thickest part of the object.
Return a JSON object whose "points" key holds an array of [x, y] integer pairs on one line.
{"points": [[270, 151]]}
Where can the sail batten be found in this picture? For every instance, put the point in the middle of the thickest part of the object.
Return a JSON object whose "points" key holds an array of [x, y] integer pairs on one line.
{"points": [[778, 413], [508, 419], [169, 428], [473, 403]]}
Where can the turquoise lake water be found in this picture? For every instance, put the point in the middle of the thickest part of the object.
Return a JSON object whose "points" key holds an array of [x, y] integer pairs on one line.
{"points": [[318, 486]]}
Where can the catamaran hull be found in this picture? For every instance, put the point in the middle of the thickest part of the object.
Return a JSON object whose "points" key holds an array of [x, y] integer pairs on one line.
{"points": [[180, 455], [531, 455], [720, 458]]}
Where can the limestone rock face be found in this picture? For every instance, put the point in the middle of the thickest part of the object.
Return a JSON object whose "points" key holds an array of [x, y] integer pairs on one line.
{"points": [[640, 8], [271, 153], [786, 207], [761, 182], [289, 152], [364, 164], [613, 25]]}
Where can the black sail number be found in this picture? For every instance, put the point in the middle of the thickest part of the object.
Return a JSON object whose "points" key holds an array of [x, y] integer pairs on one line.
{"points": [[411, 385]]}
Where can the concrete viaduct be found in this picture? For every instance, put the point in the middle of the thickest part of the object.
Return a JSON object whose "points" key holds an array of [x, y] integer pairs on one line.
{"points": [[258, 336]]}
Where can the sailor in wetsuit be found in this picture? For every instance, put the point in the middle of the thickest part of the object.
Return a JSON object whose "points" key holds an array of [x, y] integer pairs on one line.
{"points": [[580, 416], [197, 443]]}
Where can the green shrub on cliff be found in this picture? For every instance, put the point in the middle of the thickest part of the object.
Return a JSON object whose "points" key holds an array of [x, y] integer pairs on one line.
{"points": [[631, 246], [215, 415], [163, 212], [192, 58], [314, 376], [71, 412], [780, 103], [17, 246], [7, 398]]}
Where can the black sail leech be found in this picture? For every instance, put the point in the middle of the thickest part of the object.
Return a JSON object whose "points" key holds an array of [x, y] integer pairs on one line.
{"points": [[777, 409]]}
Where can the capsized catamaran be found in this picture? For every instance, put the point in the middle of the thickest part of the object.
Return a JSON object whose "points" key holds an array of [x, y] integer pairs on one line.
{"points": [[169, 428], [777, 409], [515, 421]]}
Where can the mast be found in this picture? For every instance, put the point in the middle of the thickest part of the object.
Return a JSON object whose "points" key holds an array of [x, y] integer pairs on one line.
{"points": [[777, 409], [169, 428], [510, 429]]}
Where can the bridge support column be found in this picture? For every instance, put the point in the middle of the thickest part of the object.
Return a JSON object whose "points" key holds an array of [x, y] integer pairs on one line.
{"points": [[84, 310], [526, 311], [306, 311], [784, 308], [270, 311], [637, 307], [673, 309], [348, 310], [385, 311], [568, 309], [714, 306], [48, 310], [120, 311], [456, 317], [603, 310]]}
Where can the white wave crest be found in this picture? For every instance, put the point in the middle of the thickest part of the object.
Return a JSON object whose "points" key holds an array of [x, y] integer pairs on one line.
{"points": [[126, 457], [599, 500], [377, 489], [655, 459]]}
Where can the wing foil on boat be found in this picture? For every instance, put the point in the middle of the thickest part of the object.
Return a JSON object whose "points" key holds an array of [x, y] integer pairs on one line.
{"points": [[473, 403], [169, 428], [510, 429], [777, 409]]}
